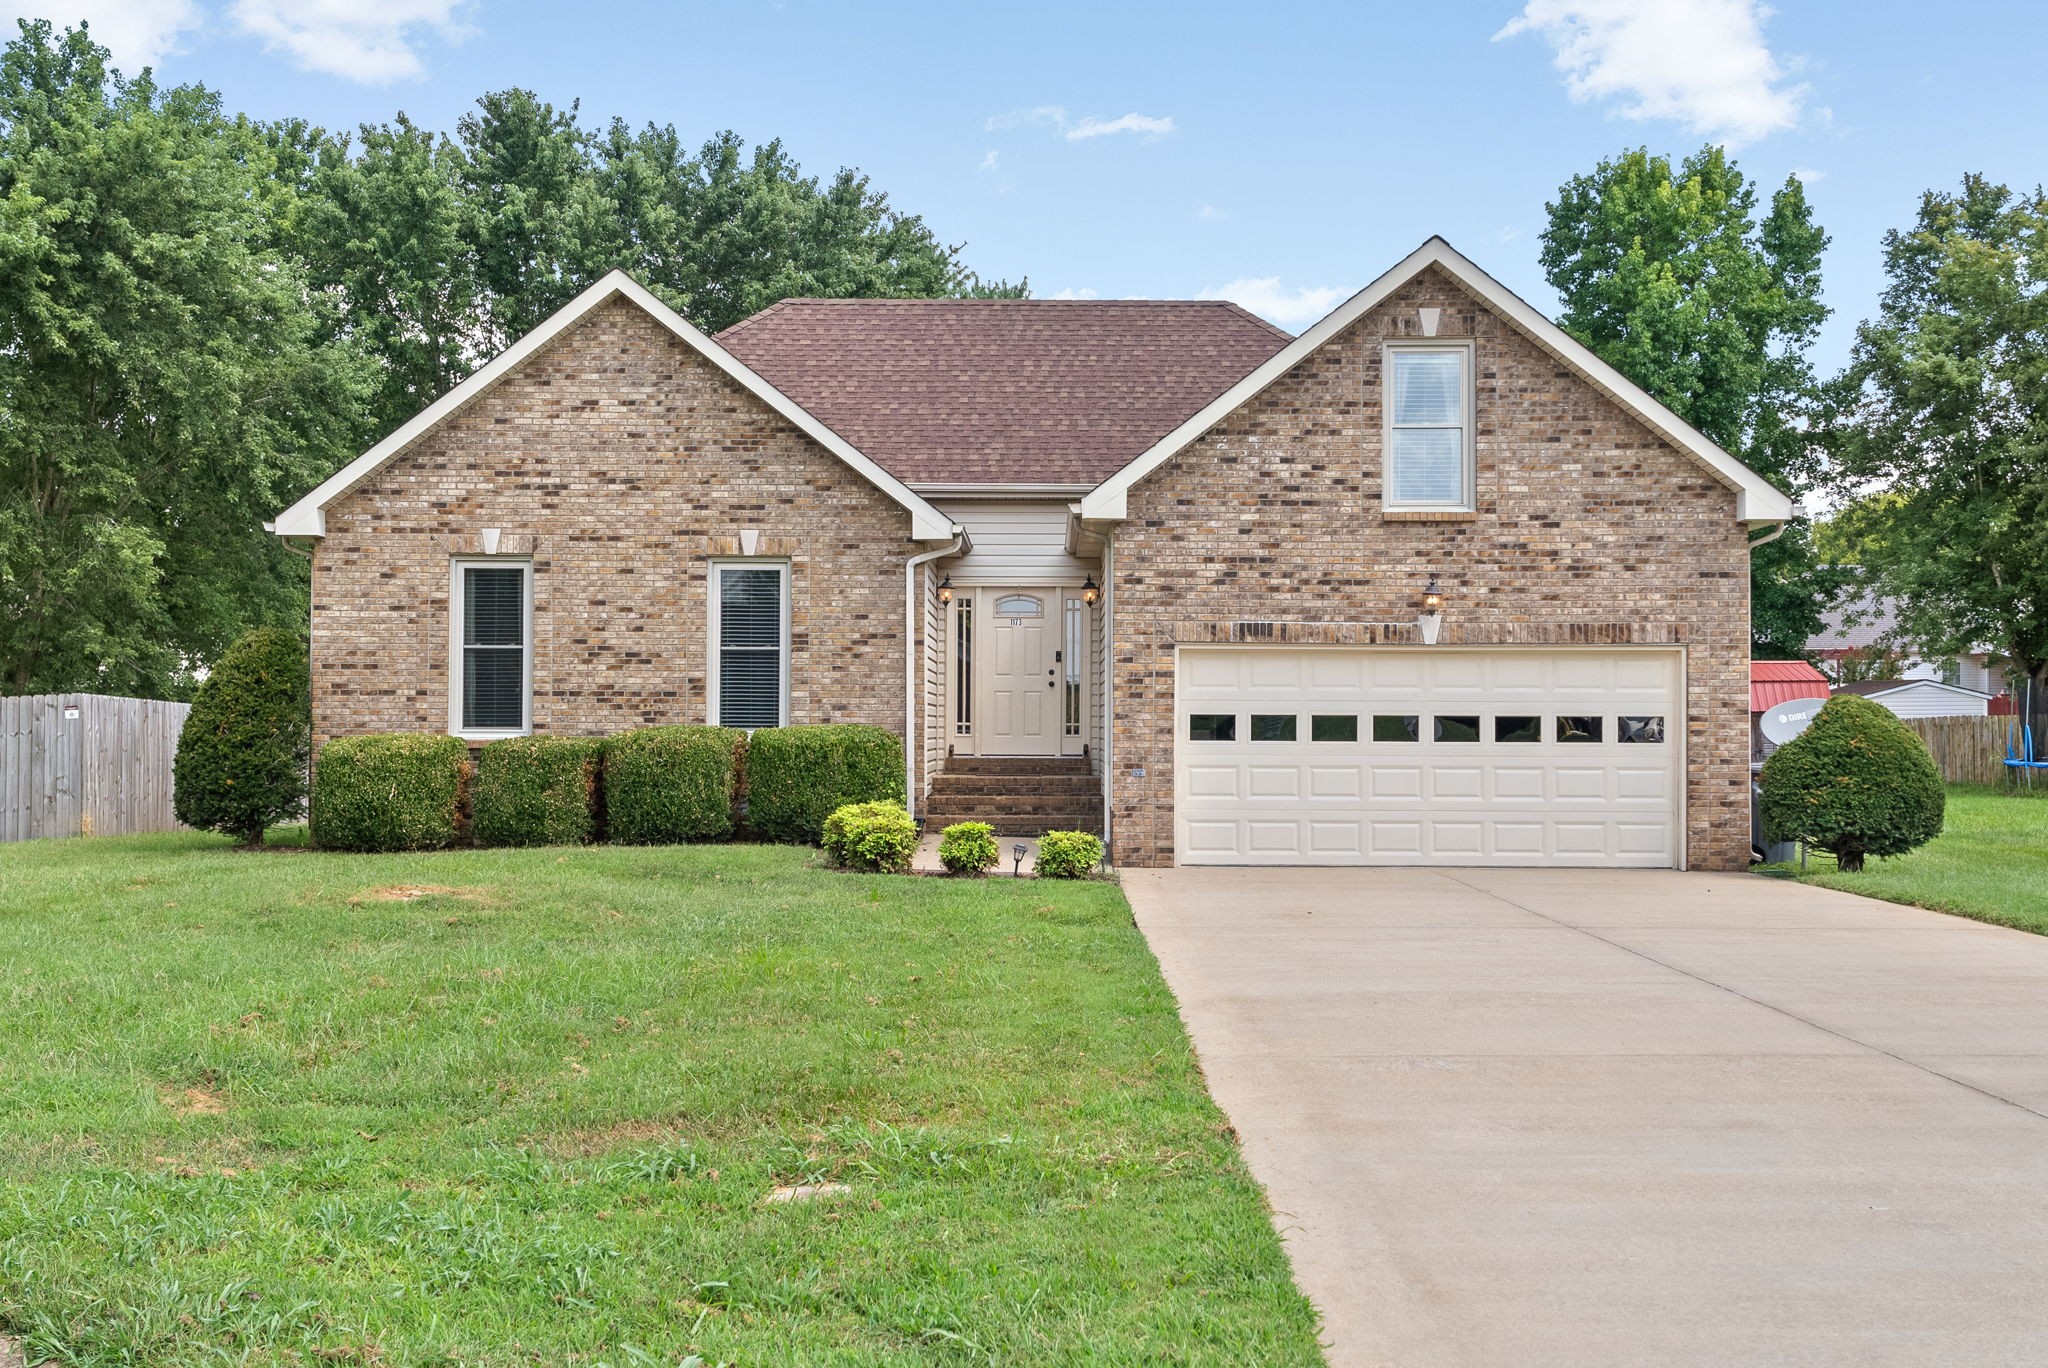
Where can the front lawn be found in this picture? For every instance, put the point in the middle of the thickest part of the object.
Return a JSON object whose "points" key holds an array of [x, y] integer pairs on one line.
{"points": [[1990, 862], [498, 1107]]}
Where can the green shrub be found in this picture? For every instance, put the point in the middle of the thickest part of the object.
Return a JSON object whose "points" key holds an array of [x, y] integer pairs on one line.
{"points": [[242, 754], [665, 785], [797, 776], [389, 792], [879, 837], [1067, 854], [1856, 782], [968, 848], [536, 790]]}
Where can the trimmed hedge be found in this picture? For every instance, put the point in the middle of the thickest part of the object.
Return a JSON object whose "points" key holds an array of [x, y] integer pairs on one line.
{"points": [[968, 848], [877, 837], [242, 754], [798, 776], [1067, 855], [664, 785], [536, 790], [1856, 782], [389, 792]]}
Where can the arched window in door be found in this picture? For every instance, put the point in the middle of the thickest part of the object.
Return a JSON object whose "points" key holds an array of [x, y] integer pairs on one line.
{"points": [[1020, 606]]}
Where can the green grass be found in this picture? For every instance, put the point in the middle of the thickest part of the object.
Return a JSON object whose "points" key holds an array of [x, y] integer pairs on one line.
{"points": [[1990, 862], [255, 1111]]}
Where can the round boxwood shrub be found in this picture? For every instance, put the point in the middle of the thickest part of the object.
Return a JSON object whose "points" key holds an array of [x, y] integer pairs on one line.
{"points": [[968, 848], [797, 776], [389, 792], [665, 785], [1856, 782], [536, 790], [241, 763], [1067, 854], [878, 837]]}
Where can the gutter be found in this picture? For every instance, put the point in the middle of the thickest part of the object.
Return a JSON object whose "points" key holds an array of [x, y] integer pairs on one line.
{"points": [[910, 681], [1777, 530]]}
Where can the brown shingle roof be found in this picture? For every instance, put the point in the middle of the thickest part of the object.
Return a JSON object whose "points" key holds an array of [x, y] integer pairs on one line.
{"points": [[1002, 391]]}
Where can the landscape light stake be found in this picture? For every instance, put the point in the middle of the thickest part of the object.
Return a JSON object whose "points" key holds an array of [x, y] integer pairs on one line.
{"points": [[1017, 861]]}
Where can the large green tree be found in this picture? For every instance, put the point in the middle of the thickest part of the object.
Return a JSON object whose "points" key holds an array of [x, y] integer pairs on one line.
{"points": [[1944, 406], [1670, 276], [166, 378]]}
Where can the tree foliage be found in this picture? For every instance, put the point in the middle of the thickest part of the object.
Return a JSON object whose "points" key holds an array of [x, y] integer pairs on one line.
{"points": [[242, 756], [1668, 274], [167, 378], [1856, 782], [1944, 407]]}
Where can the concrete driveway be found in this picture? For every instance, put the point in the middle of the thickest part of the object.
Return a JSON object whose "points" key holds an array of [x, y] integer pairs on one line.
{"points": [[1523, 1118]]}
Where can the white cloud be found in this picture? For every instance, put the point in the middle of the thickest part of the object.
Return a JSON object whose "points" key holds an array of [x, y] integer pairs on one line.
{"points": [[373, 41], [1700, 63], [1209, 213], [1056, 118], [990, 162], [1071, 293], [1092, 127], [1806, 175], [139, 33], [1266, 297]]}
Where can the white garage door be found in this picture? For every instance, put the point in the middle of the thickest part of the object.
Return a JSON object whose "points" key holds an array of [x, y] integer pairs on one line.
{"points": [[1444, 756]]}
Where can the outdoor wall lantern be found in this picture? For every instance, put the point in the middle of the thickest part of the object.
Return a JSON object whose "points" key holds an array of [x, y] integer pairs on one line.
{"points": [[1432, 617], [1090, 591], [946, 589]]}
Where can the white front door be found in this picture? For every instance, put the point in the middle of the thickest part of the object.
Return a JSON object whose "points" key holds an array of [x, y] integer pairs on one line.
{"points": [[1021, 684]]}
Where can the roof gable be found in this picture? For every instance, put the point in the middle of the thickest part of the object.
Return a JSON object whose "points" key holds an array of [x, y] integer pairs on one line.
{"points": [[1757, 499], [308, 517], [949, 392]]}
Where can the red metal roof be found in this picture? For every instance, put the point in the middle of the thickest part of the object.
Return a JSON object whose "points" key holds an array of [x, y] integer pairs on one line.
{"points": [[1029, 391], [1772, 682]]}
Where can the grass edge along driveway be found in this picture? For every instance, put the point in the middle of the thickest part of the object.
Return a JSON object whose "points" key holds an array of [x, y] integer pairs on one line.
{"points": [[498, 1107], [1990, 862]]}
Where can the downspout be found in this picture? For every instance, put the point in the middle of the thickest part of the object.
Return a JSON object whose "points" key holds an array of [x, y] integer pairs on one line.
{"points": [[910, 658], [1778, 530], [1108, 688]]}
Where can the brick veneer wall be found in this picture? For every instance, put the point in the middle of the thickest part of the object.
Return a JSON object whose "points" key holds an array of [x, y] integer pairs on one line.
{"points": [[621, 461], [1590, 530]]}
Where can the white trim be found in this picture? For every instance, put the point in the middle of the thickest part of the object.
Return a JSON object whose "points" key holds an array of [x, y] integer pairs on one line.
{"points": [[1001, 491], [1467, 352], [1906, 684], [456, 646], [714, 655], [915, 661], [308, 517], [1757, 499]]}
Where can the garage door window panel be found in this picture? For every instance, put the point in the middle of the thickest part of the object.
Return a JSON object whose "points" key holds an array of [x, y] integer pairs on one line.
{"points": [[1331, 727], [1582, 730], [1212, 727], [1517, 730], [1456, 728], [1272, 726], [1396, 727], [1642, 731]]}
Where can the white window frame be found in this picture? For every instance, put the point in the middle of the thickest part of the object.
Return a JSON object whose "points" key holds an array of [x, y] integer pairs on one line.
{"points": [[524, 564], [713, 655], [1468, 397]]}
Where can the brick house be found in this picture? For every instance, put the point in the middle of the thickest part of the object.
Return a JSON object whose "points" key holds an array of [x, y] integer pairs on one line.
{"points": [[1150, 568]]}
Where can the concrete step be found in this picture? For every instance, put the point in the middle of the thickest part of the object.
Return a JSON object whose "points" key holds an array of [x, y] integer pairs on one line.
{"points": [[1002, 785], [1015, 764]]}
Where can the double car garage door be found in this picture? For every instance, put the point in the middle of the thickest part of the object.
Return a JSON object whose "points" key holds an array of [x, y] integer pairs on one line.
{"points": [[1447, 756]]}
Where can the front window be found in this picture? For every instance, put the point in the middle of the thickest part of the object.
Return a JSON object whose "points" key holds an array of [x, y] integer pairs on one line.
{"points": [[963, 668], [493, 660], [1428, 426], [1071, 658], [750, 644]]}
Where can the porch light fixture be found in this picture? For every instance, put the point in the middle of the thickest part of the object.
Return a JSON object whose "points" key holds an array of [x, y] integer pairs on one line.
{"points": [[946, 589], [1431, 619], [1090, 591]]}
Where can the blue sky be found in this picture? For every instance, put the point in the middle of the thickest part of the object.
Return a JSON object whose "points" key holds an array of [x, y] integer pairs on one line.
{"points": [[1282, 158]]}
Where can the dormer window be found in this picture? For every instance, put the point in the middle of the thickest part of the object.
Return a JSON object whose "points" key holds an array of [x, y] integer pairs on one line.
{"points": [[1428, 435]]}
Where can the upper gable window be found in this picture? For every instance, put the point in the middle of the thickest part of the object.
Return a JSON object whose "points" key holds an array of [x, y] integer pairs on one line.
{"points": [[1428, 425]]}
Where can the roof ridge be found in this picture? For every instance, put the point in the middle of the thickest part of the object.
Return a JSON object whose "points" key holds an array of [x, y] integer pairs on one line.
{"points": [[757, 316], [1267, 324]]}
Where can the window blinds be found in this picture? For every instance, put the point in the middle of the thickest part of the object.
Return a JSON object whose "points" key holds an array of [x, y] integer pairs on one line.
{"points": [[1426, 456], [750, 646], [493, 648]]}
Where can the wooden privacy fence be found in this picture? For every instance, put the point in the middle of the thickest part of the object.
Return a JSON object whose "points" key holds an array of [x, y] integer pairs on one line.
{"points": [[1967, 750], [86, 765]]}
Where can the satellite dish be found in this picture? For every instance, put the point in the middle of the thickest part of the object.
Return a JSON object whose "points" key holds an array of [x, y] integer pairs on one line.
{"points": [[1788, 719]]}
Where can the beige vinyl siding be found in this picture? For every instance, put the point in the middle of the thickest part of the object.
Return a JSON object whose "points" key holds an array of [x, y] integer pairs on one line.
{"points": [[1923, 699], [1015, 542], [937, 652]]}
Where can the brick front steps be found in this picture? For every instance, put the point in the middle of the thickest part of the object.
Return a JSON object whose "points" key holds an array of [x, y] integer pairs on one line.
{"points": [[1018, 796]]}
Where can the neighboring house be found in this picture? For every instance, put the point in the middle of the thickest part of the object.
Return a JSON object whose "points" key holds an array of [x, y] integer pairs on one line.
{"points": [[1772, 682], [1151, 567], [1921, 697], [1867, 626]]}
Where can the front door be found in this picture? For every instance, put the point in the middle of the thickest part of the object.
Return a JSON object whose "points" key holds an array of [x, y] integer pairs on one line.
{"points": [[1023, 675]]}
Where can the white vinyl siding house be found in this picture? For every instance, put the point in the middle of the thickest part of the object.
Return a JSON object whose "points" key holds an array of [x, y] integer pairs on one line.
{"points": [[1929, 698]]}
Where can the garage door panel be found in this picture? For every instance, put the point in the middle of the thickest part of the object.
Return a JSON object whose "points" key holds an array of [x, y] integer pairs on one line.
{"points": [[1516, 795]]}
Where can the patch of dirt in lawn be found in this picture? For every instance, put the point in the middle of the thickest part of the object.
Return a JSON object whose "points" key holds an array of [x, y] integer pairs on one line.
{"points": [[193, 1101], [415, 892], [12, 1355]]}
